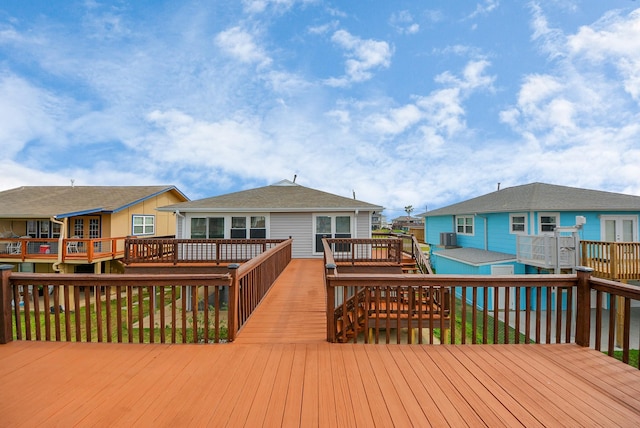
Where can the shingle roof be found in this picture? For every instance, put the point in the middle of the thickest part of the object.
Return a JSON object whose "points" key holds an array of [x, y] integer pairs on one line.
{"points": [[542, 197], [62, 201], [475, 256], [284, 196]]}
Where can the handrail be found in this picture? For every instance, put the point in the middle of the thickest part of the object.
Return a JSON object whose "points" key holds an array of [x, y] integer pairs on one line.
{"points": [[161, 250], [411, 246], [73, 249], [353, 251], [253, 280], [114, 307], [486, 309], [134, 308], [612, 260]]}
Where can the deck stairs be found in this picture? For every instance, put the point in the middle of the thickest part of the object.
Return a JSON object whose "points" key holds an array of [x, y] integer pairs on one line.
{"points": [[387, 312]]}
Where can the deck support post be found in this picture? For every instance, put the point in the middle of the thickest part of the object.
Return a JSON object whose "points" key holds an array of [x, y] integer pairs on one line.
{"points": [[232, 315], [583, 306], [330, 269], [6, 328]]}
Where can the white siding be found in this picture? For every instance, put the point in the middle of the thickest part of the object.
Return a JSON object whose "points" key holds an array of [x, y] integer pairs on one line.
{"points": [[364, 225], [299, 226]]}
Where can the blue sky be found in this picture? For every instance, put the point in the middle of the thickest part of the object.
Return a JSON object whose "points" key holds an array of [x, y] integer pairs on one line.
{"points": [[422, 103]]}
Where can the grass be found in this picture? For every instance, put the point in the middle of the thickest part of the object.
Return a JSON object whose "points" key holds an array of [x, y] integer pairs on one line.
{"points": [[633, 356], [480, 328]]}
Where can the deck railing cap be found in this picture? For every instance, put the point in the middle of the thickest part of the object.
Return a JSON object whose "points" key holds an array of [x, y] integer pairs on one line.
{"points": [[331, 266], [584, 269], [6, 267]]}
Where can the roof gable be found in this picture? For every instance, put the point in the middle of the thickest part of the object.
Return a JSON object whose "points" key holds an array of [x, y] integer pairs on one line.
{"points": [[542, 197], [283, 196], [65, 201]]}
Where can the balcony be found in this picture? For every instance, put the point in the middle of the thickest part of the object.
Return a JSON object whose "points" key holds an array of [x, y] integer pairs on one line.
{"points": [[72, 250]]}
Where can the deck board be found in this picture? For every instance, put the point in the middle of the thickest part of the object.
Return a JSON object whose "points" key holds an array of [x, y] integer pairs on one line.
{"points": [[293, 377]]}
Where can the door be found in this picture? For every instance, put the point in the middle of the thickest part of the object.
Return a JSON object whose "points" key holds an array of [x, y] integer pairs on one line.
{"points": [[327, 226], [504, 270], [619, 228]]}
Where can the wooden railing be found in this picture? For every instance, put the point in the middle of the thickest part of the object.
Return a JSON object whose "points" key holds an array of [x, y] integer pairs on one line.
{"points": [[174, 251], [255, 278], [411, 247], [460, 309], [166, 308], [612, 260], [353, 251], [72, 249]]}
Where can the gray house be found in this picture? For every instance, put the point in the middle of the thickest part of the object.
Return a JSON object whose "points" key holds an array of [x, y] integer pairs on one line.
{"points": [[277, 211]]}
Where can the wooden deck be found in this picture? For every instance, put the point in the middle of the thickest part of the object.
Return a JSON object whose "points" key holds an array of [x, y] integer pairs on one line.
{"points": [[282, 372]]}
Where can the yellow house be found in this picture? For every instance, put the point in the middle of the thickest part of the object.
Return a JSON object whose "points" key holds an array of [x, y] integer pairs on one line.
{"points": [[80, 229]]}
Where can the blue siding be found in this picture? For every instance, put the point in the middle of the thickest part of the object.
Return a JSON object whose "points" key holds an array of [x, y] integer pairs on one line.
{"points": [[433, 226], [499, 237]]}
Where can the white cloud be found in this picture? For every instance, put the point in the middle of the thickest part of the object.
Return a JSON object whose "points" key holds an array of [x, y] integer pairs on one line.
{"points": [[404, 23], [241, 45], [579, 114], [614, 39], [484, 8], [26, 113], [363, 56]]}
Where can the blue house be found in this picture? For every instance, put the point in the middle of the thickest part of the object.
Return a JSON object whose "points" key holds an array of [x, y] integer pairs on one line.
{"points": [[528, 229]]}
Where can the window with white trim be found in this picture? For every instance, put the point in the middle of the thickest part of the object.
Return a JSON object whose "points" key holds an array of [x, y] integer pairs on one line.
{"points": [[518, 223], [547, 222], [258, 228], [464, 224], [144, 225], [238, 227]]}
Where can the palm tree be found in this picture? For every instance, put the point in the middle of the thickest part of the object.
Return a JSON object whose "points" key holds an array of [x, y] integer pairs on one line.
{"points": [[408, 209]]}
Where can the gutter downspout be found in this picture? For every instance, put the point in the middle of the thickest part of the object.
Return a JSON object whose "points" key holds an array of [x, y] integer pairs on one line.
{"points": [[178, 215], [63, 229], [355, 223]]}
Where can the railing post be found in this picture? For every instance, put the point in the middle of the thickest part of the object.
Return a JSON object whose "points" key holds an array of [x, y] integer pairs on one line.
{"points": [[6, 328], [331, 302], [613, 260], [232, 314], [583, 306], [176, 244]]}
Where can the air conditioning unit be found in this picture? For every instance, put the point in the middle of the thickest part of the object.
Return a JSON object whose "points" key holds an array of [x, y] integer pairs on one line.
{"points": [[448, 239]]}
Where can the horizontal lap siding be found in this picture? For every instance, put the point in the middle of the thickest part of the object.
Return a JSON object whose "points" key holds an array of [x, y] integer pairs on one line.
{"points": [[364, 225], [297, 226]]}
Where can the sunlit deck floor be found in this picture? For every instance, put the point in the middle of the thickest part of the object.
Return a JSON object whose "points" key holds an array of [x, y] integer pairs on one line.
{"points": [[313, 383]]}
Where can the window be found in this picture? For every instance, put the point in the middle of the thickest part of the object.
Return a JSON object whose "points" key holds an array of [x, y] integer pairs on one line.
{"points": [[78, 227], [43, 229], [216, 228], [198, 228], [211, 227], [142, 225], [328, 226], [548, 222], [258, 227], [239, 227], [464, 224], [518, 223]]}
